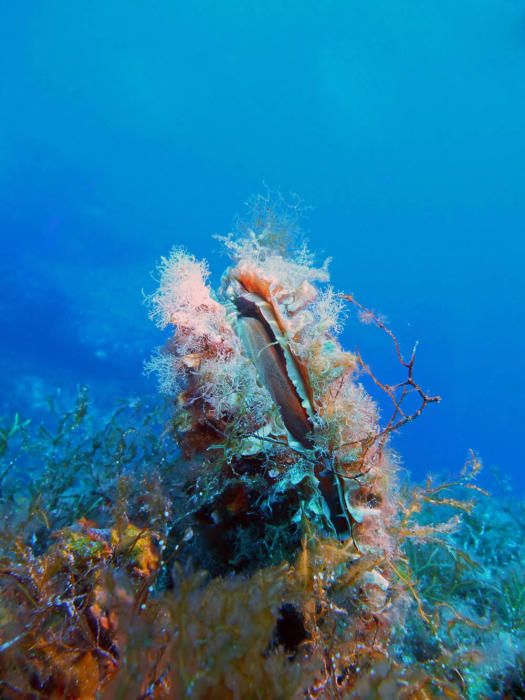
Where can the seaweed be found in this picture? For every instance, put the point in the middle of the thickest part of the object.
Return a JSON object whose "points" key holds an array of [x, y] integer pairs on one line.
{"points": [[121, 608], [225, 544]]}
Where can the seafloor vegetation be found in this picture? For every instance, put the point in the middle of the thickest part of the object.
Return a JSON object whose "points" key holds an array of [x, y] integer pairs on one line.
{"points": [[252, 535]]}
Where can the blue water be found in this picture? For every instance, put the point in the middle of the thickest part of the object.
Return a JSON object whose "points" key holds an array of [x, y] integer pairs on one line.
{"points": [[128, 127]]}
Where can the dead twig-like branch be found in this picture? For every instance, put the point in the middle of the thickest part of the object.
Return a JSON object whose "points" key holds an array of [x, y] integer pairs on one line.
{"points": [[397, 393]]}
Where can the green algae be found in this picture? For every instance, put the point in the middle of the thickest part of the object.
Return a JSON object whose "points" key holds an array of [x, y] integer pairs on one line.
{"points": [[469, 579]]}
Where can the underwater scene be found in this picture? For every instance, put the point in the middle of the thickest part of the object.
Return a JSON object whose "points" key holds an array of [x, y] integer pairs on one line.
{"points": [[261, 387]]}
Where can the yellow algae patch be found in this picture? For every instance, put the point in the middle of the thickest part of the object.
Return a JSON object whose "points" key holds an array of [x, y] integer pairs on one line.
{"points": [[138, 547]]}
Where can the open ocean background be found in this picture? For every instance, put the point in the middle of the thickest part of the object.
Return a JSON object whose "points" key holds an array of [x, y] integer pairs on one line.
{"points": [[127, 128]]}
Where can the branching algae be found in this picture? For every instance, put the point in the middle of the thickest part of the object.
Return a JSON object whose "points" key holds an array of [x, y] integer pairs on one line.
{"points": [[257, 541]]}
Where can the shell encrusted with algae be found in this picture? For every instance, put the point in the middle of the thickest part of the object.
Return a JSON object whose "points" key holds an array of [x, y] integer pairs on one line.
{"points": [[275, 428]]}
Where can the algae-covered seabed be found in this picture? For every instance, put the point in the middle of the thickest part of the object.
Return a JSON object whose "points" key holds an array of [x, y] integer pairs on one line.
{"points": [[252, 535]]}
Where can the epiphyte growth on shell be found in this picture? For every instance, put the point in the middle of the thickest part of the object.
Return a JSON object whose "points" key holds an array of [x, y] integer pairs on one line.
{"points": [[262, 382], [284, 449]]}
